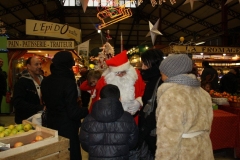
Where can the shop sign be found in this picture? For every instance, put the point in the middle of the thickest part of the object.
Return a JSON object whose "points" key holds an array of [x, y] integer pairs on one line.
{"points": [[49, 29], [42, 44], [201, 49]]}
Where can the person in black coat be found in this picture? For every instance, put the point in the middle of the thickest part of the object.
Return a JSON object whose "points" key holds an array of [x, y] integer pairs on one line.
{"points": [[108, 132], [151, 60], [59, 93], [229, 82], [26, 94], [209, 75]]}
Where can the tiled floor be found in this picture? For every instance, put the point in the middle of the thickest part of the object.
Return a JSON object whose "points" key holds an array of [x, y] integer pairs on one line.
{"points": [[224, 154]]}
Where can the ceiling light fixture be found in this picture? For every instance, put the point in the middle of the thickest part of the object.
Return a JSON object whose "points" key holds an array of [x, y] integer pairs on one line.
{"points": [[199, 43]]}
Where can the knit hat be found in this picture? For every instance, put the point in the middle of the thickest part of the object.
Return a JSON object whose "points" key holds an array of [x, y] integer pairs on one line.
{"points": [[176, 64], [119, 62], [63, 59]]}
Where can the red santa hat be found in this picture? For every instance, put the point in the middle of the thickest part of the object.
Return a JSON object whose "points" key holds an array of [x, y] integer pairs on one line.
{"points": [[119, 62]]}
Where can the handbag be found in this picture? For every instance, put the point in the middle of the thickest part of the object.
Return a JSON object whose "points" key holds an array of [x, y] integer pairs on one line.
{"points": [[148, 108]]}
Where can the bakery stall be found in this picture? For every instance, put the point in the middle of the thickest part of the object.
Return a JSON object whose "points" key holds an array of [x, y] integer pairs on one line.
{"points": [[20, 50]]}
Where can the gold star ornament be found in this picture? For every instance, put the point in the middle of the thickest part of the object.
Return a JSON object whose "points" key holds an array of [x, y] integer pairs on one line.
{"points": [[154, 31]]}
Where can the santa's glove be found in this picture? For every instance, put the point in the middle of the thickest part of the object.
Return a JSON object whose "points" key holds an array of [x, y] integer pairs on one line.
{"points": [[134, 107]]}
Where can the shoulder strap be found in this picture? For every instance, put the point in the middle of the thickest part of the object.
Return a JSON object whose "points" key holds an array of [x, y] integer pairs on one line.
{"points": [[155, 90], [149, 107]]}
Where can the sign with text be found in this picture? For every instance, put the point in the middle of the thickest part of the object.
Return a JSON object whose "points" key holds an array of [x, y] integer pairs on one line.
{"points": [[49, 29], [42, 44], [201, 49], [83, 50]]}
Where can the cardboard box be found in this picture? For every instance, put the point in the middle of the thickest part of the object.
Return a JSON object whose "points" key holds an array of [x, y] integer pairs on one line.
{"points": [[50, 136]]}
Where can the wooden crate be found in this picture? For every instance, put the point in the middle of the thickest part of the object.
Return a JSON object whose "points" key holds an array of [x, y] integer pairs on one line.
{"points": [[50, 136], [57, 150]]}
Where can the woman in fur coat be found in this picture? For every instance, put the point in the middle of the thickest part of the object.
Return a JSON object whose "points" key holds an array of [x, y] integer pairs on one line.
{"points": [[184, 113]]}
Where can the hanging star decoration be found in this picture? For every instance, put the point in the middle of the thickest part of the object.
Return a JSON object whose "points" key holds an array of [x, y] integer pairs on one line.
{"points": [[154, 31], [191, 3], [84, 5]]}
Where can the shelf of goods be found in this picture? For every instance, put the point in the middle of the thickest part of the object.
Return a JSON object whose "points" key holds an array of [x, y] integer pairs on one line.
{"points": [[51, 147]]}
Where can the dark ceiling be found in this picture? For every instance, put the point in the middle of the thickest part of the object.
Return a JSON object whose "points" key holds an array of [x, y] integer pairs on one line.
{"points": [[210, 20]]}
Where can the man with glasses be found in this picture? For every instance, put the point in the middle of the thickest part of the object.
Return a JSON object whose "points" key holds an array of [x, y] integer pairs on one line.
{"points": [[128, 80]]}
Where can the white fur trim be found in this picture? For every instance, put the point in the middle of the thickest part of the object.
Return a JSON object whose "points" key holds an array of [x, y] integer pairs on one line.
{"points": [[139, 99], [122, 67]]}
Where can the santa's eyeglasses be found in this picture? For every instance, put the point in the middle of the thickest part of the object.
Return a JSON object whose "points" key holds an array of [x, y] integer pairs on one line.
{"points": [[120, 73]]}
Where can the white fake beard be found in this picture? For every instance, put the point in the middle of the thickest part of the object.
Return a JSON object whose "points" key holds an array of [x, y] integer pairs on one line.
{"points": [[125, 85]]}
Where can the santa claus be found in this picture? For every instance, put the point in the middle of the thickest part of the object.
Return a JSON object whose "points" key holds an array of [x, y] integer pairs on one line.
{"points": [[128, 80]]}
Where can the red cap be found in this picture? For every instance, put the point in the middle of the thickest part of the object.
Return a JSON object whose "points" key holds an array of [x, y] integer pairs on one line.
{"points": [[119, 62]]}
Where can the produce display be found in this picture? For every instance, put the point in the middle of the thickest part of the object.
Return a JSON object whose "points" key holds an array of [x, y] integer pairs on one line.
{"points": [[19, 144], [231, 98], [24, 138], [14, 129]]}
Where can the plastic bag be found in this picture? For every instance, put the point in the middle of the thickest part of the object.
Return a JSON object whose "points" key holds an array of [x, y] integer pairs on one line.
{"points": [[36, 118]]}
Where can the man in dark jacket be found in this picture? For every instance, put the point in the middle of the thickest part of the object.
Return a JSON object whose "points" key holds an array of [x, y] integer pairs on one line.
{"points": [[59, 93], [229, 82], [108, 132], [3, 82], [209, 75], [26, 94]]}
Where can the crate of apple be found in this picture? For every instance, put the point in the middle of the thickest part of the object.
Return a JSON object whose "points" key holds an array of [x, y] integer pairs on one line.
{"points": [[12, 130], [36, 139]]}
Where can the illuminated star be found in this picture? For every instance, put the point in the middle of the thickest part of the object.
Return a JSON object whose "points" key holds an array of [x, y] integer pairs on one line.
{"points": [[153, 31], [84, 5], [228, 1], [191, 3]]}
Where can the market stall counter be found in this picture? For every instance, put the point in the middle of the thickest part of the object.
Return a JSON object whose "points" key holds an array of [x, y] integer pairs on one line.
{"points": [[224, 133], [236, 111]]}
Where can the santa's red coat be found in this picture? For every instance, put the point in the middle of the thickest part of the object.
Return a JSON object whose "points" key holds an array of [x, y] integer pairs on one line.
{"points": [[139, 90]]}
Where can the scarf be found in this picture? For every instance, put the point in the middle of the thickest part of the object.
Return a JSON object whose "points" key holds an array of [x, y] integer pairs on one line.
{"points": [[151, 73], [184, 79]]}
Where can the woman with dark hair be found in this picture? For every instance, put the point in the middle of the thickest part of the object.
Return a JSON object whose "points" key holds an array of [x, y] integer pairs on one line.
{"points": [[151, 60]]}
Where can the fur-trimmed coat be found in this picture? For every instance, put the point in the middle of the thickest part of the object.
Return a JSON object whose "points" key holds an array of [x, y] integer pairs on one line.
{"points": [[183, 109]]}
